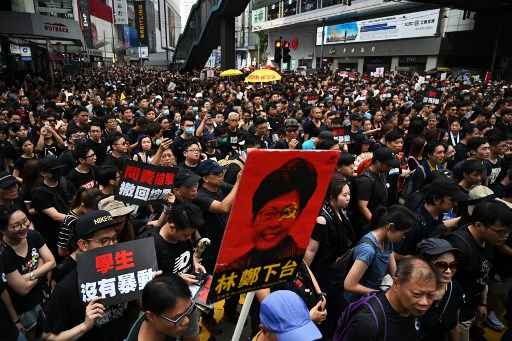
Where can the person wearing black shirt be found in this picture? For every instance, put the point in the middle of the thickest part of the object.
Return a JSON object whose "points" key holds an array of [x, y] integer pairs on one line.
{"points": [[314, 124], [118, 154], [398, 309], [468, 131], [215, 199], [97, 143], [440, 197], [83, 174], [291, 139], [490, 224], [67, 316], [168, 310], [192, 156], [186, 137], [175, 249], [355, 134], [370, 188], [27, 261], [440, 322], [50, 200]]}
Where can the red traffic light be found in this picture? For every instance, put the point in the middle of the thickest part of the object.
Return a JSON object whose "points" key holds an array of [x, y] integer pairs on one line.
{"points": [[286, 44]]}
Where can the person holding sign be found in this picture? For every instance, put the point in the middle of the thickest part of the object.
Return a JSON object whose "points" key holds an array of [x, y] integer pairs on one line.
{"points": [[67, 316]]}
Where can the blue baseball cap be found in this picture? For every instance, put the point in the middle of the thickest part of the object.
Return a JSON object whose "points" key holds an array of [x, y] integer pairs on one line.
{"points": [[285, 314]]}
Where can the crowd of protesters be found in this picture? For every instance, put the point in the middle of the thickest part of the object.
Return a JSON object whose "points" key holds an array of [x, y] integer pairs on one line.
{"points": [[412, 241]]}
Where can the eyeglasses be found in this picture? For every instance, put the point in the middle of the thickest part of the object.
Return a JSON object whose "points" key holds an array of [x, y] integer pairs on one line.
{"points": [[286, 213], [190, 310], [194, 150], [20, 225], [104, 241], [443, 266]]}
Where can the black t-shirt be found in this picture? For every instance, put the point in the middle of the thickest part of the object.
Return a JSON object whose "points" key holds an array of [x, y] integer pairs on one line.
{"points": [[44, 197], [399, 328], [427, 227], [473, 272], [311, 129], [443, 316], [63, 269], [115, 162], [19, 164], [8, 328], [66, 310], [369, 187], [24, 265], [100, 149], [78, 179], [214, 225], [51, 150], [174, 258]]}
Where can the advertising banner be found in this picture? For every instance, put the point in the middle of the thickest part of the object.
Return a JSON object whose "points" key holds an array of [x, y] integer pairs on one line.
{"points": [[140, 22], [271, 221], [120, 12], [258, 16], [410, 25], [142, 183], [85, 22], [116, 273]]}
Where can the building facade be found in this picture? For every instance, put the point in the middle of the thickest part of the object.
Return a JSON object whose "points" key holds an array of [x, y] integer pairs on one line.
{"points": [[364, 35]]}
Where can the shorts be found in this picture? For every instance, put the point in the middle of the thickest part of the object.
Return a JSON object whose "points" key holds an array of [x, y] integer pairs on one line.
{"points": [[30, 318], [193, 327]]}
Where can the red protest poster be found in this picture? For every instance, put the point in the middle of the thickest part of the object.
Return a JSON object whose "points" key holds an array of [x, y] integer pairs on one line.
{"points": [[280, 195]]}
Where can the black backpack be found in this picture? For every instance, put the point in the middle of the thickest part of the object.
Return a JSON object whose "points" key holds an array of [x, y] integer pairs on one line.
{"points": [[342, 265]]}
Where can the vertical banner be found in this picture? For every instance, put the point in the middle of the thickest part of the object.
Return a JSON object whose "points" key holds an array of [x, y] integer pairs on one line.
{"points": [[85, 22], [280, 195], [120, 12], [140, 22]]}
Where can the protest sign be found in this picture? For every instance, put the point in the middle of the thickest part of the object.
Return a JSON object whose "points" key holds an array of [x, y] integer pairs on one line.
{"points": [[278, 200], [142, 183], [116, 273], [432, 96]]}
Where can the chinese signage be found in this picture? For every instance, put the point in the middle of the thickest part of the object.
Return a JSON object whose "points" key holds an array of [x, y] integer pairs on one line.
{"points": [[432, 96], [410, 25], [116, 273], [85, 21], [140, 21], [120, 12], [143, 182], [278, 200]]}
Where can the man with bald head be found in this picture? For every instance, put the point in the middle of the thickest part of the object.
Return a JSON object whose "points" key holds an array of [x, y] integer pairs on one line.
{"points": [[397, 310]]}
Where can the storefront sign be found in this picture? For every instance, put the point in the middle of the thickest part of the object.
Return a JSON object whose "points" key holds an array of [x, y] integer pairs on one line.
{"points": [[271, 222], [85, 21], [15, 49], [116, 273], [120, 12], [140, 21], [410, 25], [142, 183], [26, 53]]}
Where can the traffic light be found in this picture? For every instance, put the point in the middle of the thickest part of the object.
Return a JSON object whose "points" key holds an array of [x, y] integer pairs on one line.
{"points": [[277, 51], [286, 52]]}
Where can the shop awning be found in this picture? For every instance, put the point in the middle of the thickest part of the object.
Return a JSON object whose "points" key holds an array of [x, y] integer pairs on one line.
{"points": [[36, 26]]}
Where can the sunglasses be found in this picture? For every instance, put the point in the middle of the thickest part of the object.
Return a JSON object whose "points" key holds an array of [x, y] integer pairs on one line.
{"points": [[443, 266], [190, 310]]}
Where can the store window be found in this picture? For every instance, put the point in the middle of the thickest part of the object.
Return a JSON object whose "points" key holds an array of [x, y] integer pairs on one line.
{"points": [[289, 7], [273, 11], [326, 3], [308, 5]]}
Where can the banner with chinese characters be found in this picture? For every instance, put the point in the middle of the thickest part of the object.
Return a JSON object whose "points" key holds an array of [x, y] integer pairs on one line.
{"points": [[280, 195], [431, 96], [142, 183], [116, 273], [141, 22]]}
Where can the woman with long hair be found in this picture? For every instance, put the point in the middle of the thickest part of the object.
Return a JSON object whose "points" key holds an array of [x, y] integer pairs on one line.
{"points": [[27, 261], [144, 146]]}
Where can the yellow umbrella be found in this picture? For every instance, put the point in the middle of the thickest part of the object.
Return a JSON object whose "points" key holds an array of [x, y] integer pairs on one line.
{"points": [[263, 76], [230, 73]]}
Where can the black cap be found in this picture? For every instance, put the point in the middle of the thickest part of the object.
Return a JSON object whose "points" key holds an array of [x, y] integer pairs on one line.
{"points": [[326, 135], [208, 167], [6, 180], [435, 247], [346, 159], [186, 178], [92, 222], [450, 188], [386, 156], [356, 117], [51, 163]]}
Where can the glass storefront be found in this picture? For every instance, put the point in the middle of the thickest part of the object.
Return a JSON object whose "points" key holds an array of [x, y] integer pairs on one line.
{"points": [[289, 7], [273, 11], [308, 5]]}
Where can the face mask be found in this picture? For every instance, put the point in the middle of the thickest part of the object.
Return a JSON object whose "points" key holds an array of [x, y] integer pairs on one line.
{"points": [[157, 142], [189, 130]]}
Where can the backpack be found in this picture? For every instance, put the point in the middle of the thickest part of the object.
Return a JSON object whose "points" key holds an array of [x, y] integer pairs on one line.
{"points": [[374, 304], [342, 265]]}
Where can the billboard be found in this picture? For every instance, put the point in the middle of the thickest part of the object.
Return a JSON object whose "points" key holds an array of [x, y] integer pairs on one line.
{"points": [[141, 22], [409, 25]]}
